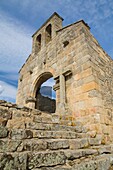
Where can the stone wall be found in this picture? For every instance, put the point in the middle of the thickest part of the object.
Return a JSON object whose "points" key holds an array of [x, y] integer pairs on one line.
{"points": [[83, 73], [101, 96], [33, 140], [57, 59]]}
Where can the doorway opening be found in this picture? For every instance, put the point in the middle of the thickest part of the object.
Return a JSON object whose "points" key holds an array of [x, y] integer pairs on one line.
{"points": [[45, 95]]}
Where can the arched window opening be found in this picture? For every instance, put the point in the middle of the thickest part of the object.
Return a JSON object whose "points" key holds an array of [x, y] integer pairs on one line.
{"points": [[38, 44], [46, 96], [48, 33]]}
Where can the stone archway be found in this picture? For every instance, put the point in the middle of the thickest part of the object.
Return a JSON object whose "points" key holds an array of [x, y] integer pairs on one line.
{"points": [[44, 103]]}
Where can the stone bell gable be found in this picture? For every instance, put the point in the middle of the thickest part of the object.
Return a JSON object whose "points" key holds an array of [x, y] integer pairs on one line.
{"points": [[81, 69]]}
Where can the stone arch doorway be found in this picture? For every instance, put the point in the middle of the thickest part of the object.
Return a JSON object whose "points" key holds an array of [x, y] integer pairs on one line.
{"points": [[45, 100]]}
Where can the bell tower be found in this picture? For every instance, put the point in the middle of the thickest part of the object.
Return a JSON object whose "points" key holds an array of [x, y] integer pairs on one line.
{"points": [[46, 32]]}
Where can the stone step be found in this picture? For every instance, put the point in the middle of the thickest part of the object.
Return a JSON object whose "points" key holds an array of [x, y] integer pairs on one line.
{"points": [[43, 118], [19, 134], [78, 153], [103, 149], [48, 144], [46, 159], [53, 127], [58, 134], [62, 157], [100, 162], [57, 160], [28, 123], [55, 144], [41, 144]]}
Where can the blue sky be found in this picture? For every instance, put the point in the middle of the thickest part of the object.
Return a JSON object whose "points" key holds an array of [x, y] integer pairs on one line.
{"points": [[19, 19]]}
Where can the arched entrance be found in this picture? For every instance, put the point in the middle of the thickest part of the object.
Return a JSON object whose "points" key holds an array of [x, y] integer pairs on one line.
{"points": [[44, 94]]}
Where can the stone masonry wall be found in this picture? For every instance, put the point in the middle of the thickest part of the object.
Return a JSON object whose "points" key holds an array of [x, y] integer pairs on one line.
{"points": [[33, 140], [102, 67], [83, 74], [58, 60]]}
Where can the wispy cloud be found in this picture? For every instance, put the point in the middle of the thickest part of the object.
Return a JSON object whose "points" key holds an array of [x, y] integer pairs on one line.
{"points": [[7, 92], [9, 77], [15, 46], [15, 43], [97, 13], [50, 83]]}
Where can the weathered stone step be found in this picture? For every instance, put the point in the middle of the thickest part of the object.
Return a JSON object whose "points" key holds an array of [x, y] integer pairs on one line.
{"points": [[43, 118], [78, 153], [55, 160], [101, 162], [50, 144], [52, 158], [19, 134], [41, 134], [55, 144], [53, 127], [58, 134], [103, 149], [46, 159]]}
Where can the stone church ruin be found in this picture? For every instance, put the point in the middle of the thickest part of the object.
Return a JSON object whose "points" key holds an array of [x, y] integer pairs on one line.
{"points": [[74, 130], [81, 69]]}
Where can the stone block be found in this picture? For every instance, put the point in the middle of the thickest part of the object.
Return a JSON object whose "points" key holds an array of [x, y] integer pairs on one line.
{"points": [[87, 72], [79, 143], [3, 132], [5, 113], [38, 126], [52, 134], [58, 144], [88, 79], [18, 123], [3, 122], [73, 154], [46, 159], [105, 149], [103, 163], [90, 86], [34, 145], [9, 145], [96, 141], [89, 165], [20, 134], [13, 161], [17, 134]]}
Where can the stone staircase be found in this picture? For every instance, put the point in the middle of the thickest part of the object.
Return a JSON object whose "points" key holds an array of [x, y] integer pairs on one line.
{"points": [[33, 140]]}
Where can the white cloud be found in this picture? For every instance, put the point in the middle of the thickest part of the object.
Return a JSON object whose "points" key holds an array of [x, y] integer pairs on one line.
{"points": [[49, 82], [15, 43], [7, 92], [1, 89]]}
